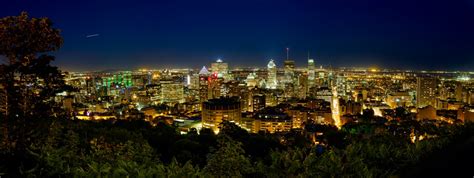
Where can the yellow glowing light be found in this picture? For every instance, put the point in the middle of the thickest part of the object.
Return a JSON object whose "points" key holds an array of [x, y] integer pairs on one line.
{"points": [[412, 138], [335, 108]]}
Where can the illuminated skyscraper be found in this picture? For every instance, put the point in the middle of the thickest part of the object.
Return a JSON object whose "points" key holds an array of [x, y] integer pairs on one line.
{"points": [[171, 91], [425, 91], [302, 89], [214, 86], [272, 75], [149, 78], [194, 82], [251, 80], [203, 84], [188, 80], [311, 73], [221, 69], [289, 68]]}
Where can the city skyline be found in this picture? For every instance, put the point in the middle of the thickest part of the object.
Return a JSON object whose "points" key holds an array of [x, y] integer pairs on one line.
{"points": [[241, 113], [422, 35]]}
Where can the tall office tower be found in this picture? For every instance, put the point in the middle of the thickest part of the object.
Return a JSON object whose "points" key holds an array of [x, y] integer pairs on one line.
{"points": [[171, 92], [214, 111], [90, 85], [221, 69], [214, 86], [272, 75], [251, 80], [311, 73], [289, 69], [203, 84], [194, 85], [321, 75], [149, 78], [230, 88], [341, 84], [188, 80], [425, 91], [302, 91]]}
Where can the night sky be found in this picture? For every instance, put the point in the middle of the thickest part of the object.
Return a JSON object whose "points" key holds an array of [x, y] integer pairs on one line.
{"points": [[409, 34]]}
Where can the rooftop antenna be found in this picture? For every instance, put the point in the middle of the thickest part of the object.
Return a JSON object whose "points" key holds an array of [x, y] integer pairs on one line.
{"points": [[287, 53], [308, 55]]}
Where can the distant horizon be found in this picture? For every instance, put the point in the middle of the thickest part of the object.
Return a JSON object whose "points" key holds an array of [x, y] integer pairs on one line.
{"points": [[379, 69]]}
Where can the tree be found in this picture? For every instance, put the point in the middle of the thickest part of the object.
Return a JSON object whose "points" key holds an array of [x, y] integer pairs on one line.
{"points": [[28, 78], [232, 130], [228, 161]]}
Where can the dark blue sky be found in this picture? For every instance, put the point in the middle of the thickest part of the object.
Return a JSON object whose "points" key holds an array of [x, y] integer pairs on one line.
{"points": [[414, 34]]}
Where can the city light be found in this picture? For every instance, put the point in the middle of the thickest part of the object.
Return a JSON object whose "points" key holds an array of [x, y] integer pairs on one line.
{"points": [[139, 91]]}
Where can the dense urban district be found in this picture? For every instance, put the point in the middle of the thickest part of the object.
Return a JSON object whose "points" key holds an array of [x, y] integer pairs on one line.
{"points": [[279, 120]]}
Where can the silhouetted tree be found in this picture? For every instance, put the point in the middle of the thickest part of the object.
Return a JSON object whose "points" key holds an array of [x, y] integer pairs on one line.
{"points": [[232, 130], [228, 161], [29, 80]]}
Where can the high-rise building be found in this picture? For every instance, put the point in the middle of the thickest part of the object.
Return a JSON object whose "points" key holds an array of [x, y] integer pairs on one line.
{"points": [[311, 73], [251, 80], [171, 91], [214, 111], [302, 90], [194, 82], [425, 91], [215, 87], [221, 69], [231, 88], [272, 75], [258, 102], [203, 84], [289, 69]]}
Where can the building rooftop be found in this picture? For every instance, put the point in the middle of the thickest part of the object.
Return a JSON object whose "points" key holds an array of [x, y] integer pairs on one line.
{"points": [[223, 101], [204, 71]]}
